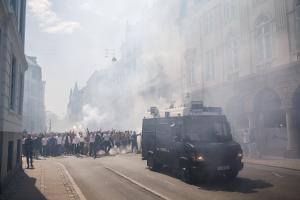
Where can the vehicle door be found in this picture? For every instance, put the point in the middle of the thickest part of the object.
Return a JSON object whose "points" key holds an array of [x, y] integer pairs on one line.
{"points": [[163, 135], [176, 147]]}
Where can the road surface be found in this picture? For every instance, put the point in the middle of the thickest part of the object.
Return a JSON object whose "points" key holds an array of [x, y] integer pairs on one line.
{"points": [[127, 177]]}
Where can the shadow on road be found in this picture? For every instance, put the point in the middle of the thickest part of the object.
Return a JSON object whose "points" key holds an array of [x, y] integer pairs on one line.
{"points": [[22, 187], [241, 185]]}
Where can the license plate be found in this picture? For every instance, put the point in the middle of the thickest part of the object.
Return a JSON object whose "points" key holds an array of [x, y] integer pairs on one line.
{"points": [[222, 168]]}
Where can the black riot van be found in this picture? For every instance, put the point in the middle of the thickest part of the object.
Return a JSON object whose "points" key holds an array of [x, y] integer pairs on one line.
{"points": [[194, 141]]}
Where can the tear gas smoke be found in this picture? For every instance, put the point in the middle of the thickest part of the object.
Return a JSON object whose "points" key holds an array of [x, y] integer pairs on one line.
{"points": [[147, 74]]}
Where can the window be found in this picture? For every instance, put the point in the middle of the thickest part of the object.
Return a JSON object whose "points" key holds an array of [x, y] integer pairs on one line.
{"points": [[21, 93], [19, 151], [0, 38], [13, 84], [22, 19], [190, 56], [205, 24], [231, 55], [13, 4], [36, 74], [297, 15], [209, 68], [229, 10], [263, 39], [257, 2], [10, 155]]}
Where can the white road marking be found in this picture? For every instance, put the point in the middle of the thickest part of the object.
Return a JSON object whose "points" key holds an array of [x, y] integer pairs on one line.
{"points": [[76, 188], [276, 174], [137, 183]]}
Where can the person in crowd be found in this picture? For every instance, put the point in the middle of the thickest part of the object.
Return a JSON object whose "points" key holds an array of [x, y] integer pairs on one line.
{"points": [[51, 145], [117, 140], [81, 143], [68, 144], [107, 142], [35, 146], [133, 139], [86, 144], [44, 146], [92, 145], [74, 144], [28, 147], [58, 144], [98, 142], [77, 144], [62, 146]]}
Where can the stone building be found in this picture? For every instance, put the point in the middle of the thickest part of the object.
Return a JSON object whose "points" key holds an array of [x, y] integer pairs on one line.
{"points": [[12, 67], [247, 60], [34, 98], [74, 109]]}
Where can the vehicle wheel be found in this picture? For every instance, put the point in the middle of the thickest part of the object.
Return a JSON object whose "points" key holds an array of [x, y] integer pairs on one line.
{"points": [[152, 164], [185, 175], [232, 175]]}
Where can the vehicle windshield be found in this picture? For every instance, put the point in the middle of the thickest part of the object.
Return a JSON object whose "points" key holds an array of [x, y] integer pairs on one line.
{"points": [[207, 129]]}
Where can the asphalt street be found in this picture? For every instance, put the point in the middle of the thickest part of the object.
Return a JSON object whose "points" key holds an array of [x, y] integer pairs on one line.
{"points": [[127, 177]]}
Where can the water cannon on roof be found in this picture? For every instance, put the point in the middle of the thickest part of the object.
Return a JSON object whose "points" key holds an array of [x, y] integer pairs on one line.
{"points": [[154, 112]]}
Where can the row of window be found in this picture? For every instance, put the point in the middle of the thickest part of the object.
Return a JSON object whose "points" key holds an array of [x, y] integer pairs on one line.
{"points": [[263, 53], [262, 45], [224, 13], [13, 93]]}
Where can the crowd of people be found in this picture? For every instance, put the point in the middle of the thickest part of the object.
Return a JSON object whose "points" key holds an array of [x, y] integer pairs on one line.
{"points": [[81, 143]]}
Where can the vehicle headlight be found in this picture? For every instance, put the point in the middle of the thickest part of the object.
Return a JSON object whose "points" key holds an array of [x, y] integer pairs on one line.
{"points": [[239, 155], [199, 157]]}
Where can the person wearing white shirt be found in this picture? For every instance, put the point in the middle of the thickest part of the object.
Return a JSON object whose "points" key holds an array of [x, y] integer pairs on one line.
{"points": [[59, 140], [44, 146]]}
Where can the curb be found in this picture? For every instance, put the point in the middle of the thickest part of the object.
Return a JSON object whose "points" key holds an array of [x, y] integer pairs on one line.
{"points": [[268, 165], [137, 183], [75, 186]]}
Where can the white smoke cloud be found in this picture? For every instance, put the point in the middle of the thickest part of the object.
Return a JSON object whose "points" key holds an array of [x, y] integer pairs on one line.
{"points": [[148, 74], [49, 21]]}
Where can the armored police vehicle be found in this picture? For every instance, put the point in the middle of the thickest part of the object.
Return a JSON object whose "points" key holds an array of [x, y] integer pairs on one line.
{"points": [[194, 141]]}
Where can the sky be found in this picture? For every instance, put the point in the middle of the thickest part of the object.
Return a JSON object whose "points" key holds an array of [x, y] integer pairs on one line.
{"points": [[69, 39]]}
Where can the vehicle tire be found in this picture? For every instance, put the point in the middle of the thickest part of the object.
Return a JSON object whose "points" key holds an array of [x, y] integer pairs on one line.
{"points": [[185, 175], [152, 164], [232, 175]]}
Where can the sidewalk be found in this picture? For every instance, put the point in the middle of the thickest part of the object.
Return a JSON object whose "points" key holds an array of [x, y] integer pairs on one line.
{"points": [[47, 181], [292, 164]]}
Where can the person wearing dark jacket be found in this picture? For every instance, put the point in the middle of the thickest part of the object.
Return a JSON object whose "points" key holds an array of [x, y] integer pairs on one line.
{"points": [[28, 147]]}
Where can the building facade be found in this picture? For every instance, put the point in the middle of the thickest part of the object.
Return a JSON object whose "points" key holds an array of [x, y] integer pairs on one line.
{"points": [[247, 60], [12, 67], [34, 120], [74, 109]]}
